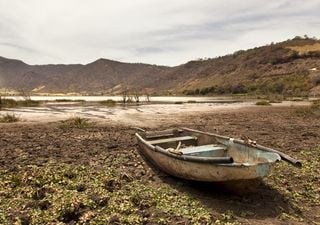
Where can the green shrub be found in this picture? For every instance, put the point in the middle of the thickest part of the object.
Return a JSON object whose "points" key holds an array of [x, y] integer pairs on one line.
{"points": [[108, 102], [28, 103], [76, 122], [298, 84], [69, 100], [275, 101], [63, 100], [11, 103], [263, 103], [8, 103]]}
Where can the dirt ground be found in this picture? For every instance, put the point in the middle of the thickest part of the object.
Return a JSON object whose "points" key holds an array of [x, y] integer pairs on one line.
{"points": [[53, 174]]}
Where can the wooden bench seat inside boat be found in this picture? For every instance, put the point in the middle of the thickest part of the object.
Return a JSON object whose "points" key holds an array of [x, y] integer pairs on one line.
{"points": [[154, 136], [173, 142], [205, 150], [162, 134]]}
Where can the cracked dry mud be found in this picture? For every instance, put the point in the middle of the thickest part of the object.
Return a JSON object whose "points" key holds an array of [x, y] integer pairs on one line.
{"points": [[63, 175]]}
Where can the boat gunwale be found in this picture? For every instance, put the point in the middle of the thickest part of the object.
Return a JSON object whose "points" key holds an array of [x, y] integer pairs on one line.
{"points": [[199, 158]]}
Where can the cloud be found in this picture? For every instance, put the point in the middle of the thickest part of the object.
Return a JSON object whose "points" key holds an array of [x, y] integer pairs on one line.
{"points": [[18, 47], [152, 31]]}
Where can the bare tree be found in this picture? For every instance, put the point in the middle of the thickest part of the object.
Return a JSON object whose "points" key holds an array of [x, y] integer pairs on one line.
{"points": [[129, 98], [25, 94], [148, 97], [125, 94], [136, 96], [0, 100], [2, 97]]}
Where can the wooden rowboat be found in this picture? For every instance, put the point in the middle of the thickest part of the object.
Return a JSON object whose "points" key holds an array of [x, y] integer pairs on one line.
{"points": [[202, 156]]}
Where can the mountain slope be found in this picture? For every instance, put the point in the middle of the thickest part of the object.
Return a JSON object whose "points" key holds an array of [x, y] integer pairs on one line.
{"points": [[291, 67], [277, 68]]}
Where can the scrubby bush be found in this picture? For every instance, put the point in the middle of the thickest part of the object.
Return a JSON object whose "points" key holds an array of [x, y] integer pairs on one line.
{"points": [[76, 122], [28, 103], [298, 84], [263, 103], [10, 103], [9, 118], [275, 98], [238, 89], [108, 102], [69, 100], [313, 109]]}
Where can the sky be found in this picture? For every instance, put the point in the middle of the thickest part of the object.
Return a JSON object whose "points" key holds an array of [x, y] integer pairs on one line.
{"points": [[162, 32]]}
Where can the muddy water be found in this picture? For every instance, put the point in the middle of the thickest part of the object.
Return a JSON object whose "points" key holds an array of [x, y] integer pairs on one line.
{"points": [[119, 98], [136, 115]]}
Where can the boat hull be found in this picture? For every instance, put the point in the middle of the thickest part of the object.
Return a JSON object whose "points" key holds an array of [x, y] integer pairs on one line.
{"points": [[203, 171]]}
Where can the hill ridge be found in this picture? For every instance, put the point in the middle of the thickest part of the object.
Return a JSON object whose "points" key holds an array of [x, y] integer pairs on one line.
{"points": [[290, 67]]}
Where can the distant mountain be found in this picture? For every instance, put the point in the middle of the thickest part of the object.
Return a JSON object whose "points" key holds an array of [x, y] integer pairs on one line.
{"points": [[103, 75], [291, 67]]}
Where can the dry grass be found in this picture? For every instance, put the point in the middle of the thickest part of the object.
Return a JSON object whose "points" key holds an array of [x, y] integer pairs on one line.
{"points": [[76, 122], [263, 103], [9, 118], [306, 48], [313, 109], [90, 176]]}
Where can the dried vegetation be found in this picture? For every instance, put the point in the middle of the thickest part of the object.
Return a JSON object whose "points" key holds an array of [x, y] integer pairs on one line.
{"points": [[95, 175]]}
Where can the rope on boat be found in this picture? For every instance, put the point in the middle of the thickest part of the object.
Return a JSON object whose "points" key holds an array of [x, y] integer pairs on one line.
{"points": [[176, 150]]}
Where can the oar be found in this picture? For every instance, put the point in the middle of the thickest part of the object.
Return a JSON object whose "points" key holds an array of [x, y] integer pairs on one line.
{"points": [[283, 156]]}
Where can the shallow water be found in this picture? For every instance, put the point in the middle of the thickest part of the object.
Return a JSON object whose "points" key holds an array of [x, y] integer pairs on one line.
{"points": [[134, 114], [151, 114], [119, 98]]}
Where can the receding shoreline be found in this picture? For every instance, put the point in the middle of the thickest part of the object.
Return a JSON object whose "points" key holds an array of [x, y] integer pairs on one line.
{"points": [[142, 113]]}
